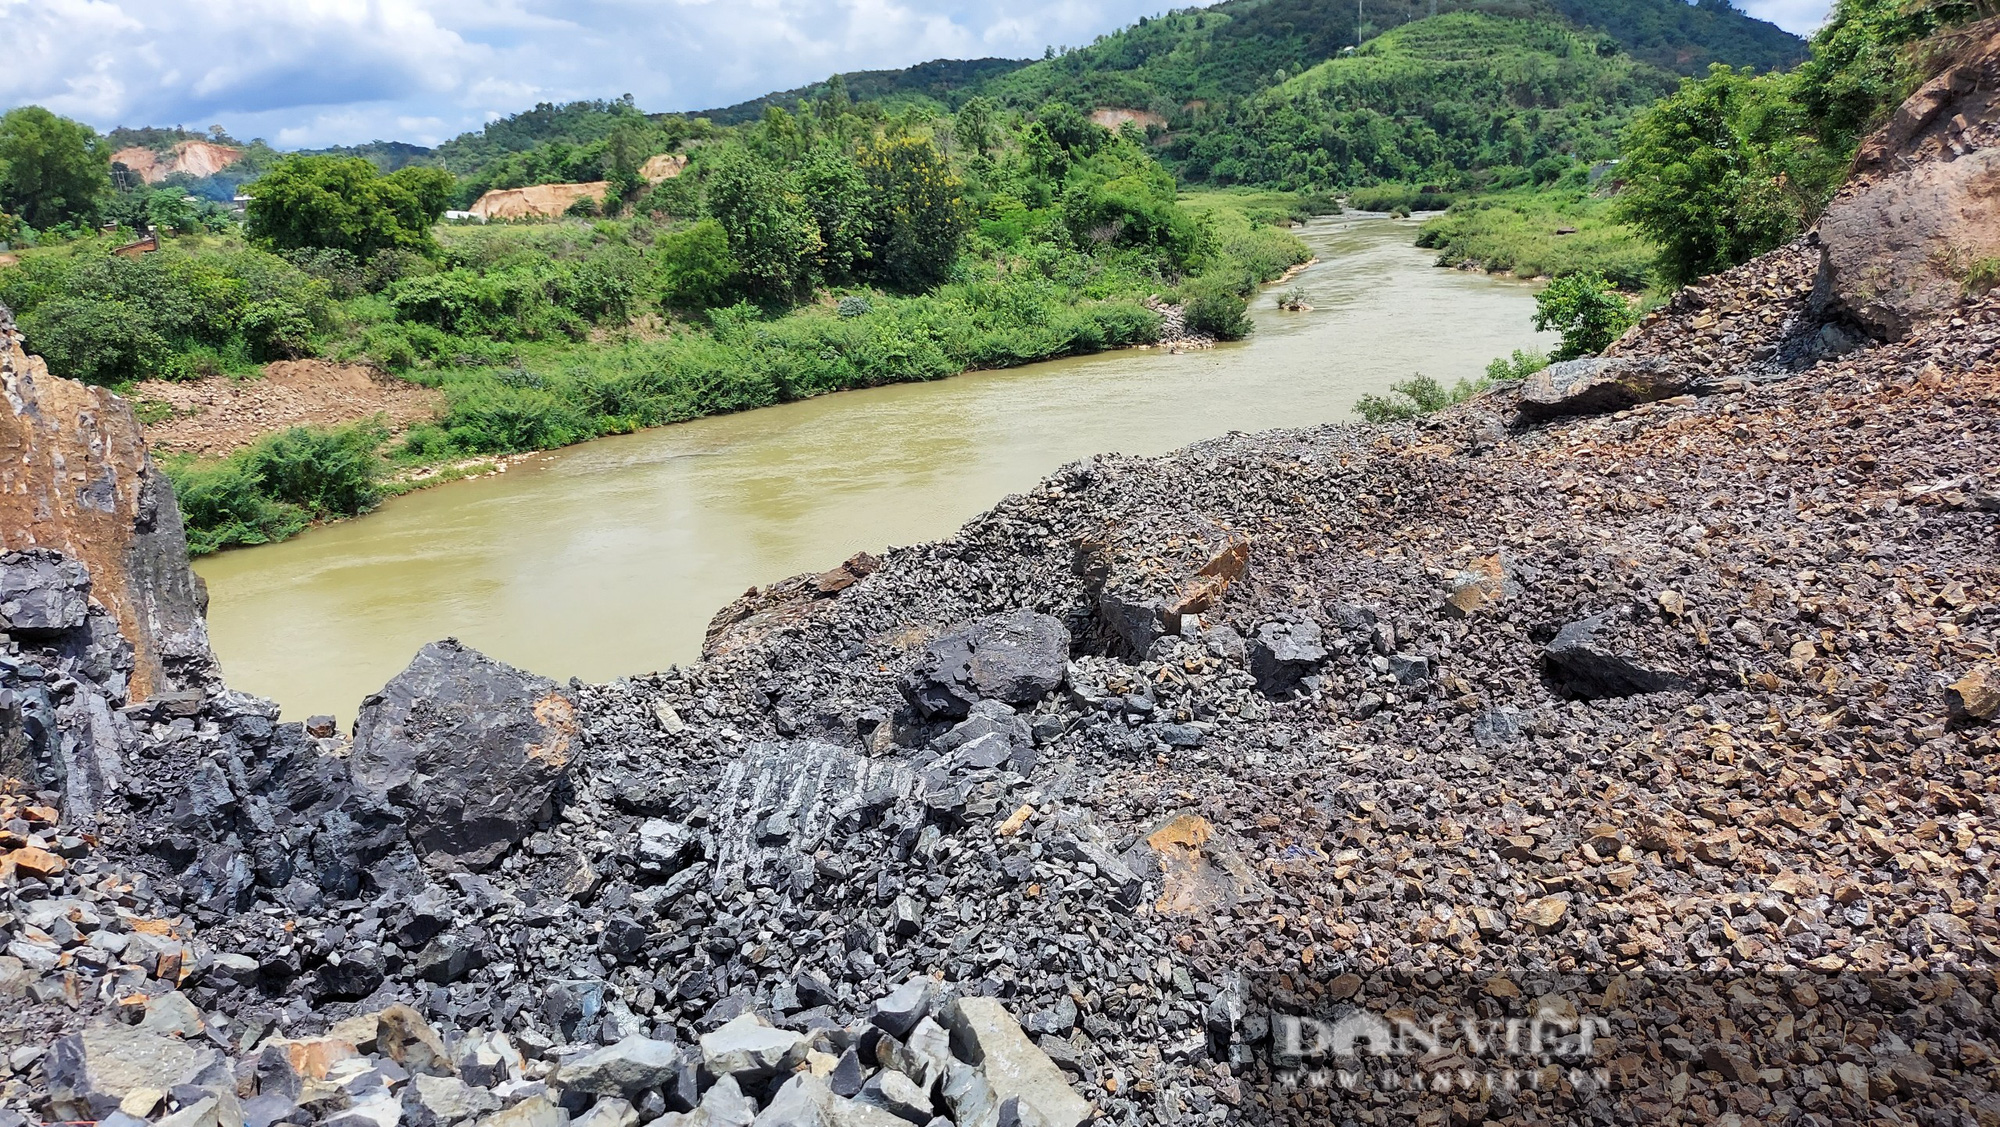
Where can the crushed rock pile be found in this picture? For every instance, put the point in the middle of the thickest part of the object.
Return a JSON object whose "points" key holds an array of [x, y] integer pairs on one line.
{"points": [[1649, 703]]}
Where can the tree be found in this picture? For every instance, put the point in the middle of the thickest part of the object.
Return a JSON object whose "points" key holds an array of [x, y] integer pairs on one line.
{"points": [[345, 204], [837, 195], [919, 212], [693, 267], [1585, 310], [1861, 68], [1721, 171], [52, 170], [772, 235], [974, 125]]}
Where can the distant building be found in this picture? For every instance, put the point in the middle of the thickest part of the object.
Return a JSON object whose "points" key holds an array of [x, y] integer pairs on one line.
{"points": [[465, 217]]}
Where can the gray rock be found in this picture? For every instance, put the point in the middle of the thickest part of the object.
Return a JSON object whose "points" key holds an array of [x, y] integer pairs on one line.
{"points": [[1016, 658], [611, 1111], [204, 1112], [1496, 727], [1579, 663], [448, 1099], [806, 1101], [1135, 620], [623, 938], [42, 592], [847, 1077], [1409, 669], [750, 1049], [923, 1057], [898, 1095], [265, 1111], [472, 749], [535, 1111], [899, 1012], [986, 1035], [1599, 385], [625, 1069], [89, 1073], [665, 848], [1283, 653], [1879, 244], [725, 1105]]}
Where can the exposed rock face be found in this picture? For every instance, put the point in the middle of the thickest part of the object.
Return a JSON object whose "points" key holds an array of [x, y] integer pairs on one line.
{"points": [[471, 747], [1924, 205], [42, 592], [1890, 247], [75, 477]]}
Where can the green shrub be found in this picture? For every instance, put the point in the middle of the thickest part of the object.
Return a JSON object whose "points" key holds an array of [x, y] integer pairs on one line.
{"points": [[1416, 396], [107, 319], [100, 342], [272, 490], [222, 505], [1515, 368], [326, 473], [1216, 309], [276, 330], [693, 268], [1586, 311]]}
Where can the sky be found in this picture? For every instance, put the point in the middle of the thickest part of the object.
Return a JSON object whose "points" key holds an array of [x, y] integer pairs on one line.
{"points": [[308, 73]]}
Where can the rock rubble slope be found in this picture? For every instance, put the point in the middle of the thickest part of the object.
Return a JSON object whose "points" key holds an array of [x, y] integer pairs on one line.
{"points": [[1673, 706]]}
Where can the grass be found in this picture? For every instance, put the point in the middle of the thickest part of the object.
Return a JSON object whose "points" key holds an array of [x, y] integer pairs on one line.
{"points": [[1536, 233]]}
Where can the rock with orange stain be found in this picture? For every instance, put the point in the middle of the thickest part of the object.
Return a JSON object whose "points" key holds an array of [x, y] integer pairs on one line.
{"points": [[75, 477], [37, 863], [470, 747], [1199, 874]]}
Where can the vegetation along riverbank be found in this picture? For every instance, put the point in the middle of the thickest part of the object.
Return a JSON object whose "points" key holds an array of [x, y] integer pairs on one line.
{"points": [[659, 267]]}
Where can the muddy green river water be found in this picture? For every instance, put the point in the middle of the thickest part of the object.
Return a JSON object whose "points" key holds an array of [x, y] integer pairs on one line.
{"points": [[609, 558]]}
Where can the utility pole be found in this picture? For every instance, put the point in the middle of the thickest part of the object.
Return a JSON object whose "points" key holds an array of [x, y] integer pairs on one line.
{"points": [[1357, 23]]}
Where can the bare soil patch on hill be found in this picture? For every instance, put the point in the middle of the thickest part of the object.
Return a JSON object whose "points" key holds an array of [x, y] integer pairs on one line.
{"points": [[214, 416]]}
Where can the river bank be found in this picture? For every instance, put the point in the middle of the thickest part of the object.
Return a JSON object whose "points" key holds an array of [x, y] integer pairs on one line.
{"points": [[551, 564], [1646, 709]]}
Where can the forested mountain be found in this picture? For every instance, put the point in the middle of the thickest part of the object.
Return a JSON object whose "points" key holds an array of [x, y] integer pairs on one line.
{"points": [[947, 82], [1247, 91], [1239, 47], [1226, 83], [1462, 92]]}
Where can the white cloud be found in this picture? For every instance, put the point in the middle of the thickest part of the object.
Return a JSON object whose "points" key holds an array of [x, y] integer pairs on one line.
{"points": [[1800, 17], [319, 72]]}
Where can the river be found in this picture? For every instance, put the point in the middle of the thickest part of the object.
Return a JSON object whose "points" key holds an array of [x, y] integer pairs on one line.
{"points": [[609, 558]]}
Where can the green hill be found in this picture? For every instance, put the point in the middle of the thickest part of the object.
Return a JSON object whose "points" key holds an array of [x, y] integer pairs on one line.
{"points": [[1462, 92], [1239, 47], [946, 82]]}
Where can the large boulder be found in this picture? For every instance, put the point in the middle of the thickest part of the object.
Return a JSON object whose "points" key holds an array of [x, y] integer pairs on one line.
{"points": [[1284, 653], [75, 477], [985, 1034], [1921, 208], [470, 748], [89, 1073], [1887, 249], [1596, 385], [1016, 658]]}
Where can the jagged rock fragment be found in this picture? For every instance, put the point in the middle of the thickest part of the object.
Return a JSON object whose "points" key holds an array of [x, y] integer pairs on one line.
{"points": [[1579, 663], [470, 747]]}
